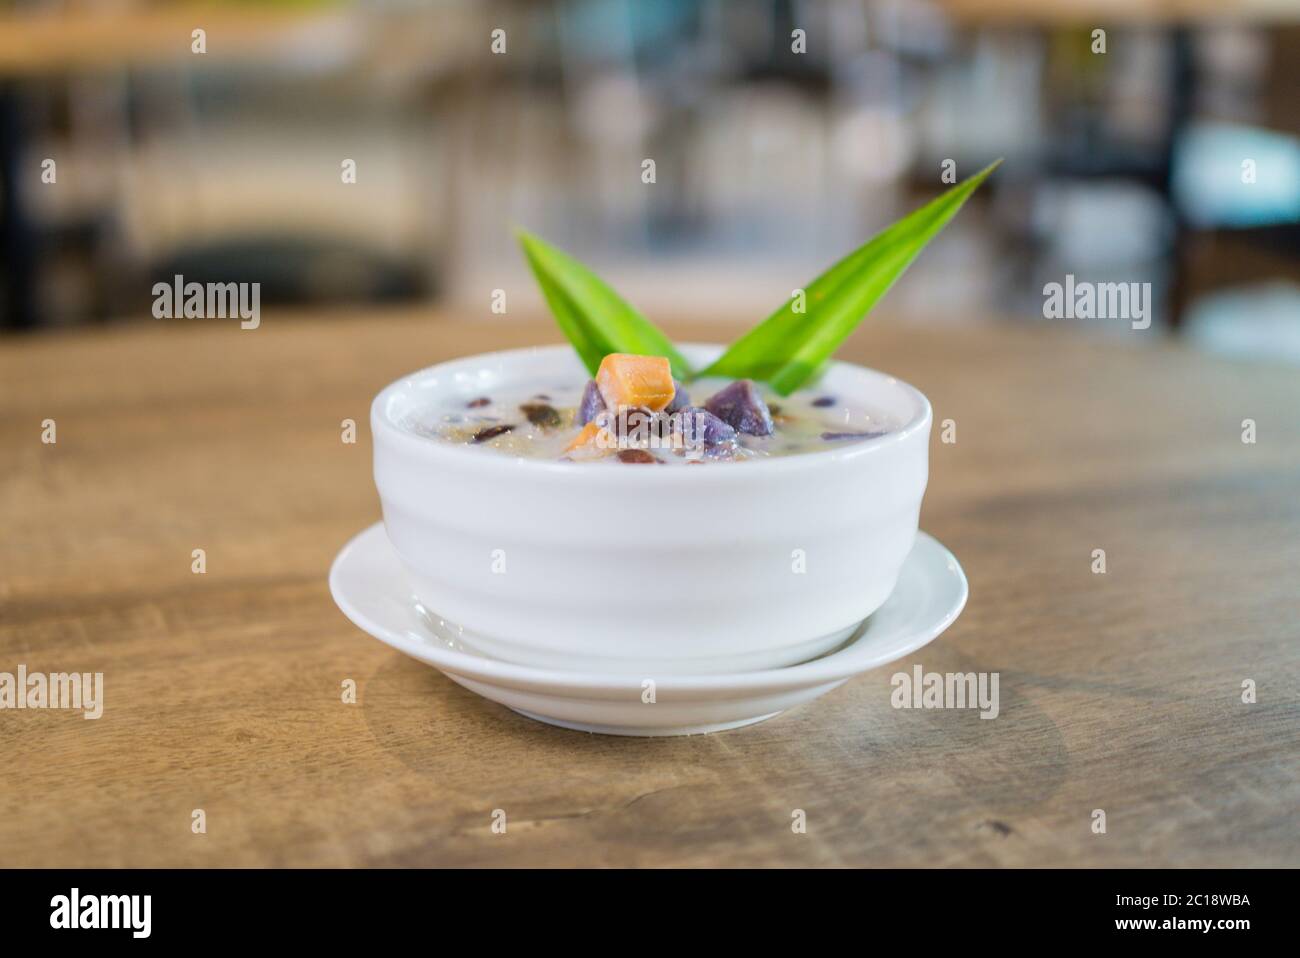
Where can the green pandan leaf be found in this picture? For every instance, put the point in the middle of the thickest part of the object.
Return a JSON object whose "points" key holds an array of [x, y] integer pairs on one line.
{"points": [[788, 348], [596, 320]]}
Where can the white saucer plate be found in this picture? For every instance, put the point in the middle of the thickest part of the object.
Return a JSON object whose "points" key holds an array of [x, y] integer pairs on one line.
{"points": [[370, 587]]}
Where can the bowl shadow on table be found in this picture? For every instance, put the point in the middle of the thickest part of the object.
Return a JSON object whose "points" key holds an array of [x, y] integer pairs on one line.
{"points": [[980, 774]]}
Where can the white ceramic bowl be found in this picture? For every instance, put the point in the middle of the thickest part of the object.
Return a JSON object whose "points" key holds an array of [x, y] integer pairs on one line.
{"points": [[641, 569]]}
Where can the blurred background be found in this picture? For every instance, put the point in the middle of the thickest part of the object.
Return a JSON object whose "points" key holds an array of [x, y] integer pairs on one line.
{"points": [[783, 134]]}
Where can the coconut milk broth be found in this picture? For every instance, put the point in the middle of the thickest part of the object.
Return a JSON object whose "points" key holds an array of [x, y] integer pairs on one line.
{"points": [[800, 421]]}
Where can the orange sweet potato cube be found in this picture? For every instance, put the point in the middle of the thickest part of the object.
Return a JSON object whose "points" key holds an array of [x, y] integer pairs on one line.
{"points": [[581, 439], [593, 442], [627, 380]]}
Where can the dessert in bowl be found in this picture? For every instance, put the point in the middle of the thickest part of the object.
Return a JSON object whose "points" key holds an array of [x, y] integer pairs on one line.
{"points": [[572, 419], [575, 520], [571, 538]]}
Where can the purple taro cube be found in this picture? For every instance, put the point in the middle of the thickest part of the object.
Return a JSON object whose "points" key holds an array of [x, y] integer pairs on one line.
{"points": [[701, 426], [591, 405], [681, 399], [703, 434], [741, 406]]}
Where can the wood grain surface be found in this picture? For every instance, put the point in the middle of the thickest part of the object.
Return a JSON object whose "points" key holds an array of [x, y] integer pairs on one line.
{"points": [[1120, 691]]}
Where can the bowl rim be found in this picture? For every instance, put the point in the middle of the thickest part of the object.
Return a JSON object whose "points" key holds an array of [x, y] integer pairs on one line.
{"points": [[463, 456]]}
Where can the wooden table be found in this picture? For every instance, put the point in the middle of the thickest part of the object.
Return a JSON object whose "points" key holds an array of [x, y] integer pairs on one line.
{"points": [[1119, 691]]}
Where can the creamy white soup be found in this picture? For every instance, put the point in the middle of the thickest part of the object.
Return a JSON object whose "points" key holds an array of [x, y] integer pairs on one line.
{"points": [[709, 420]]}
